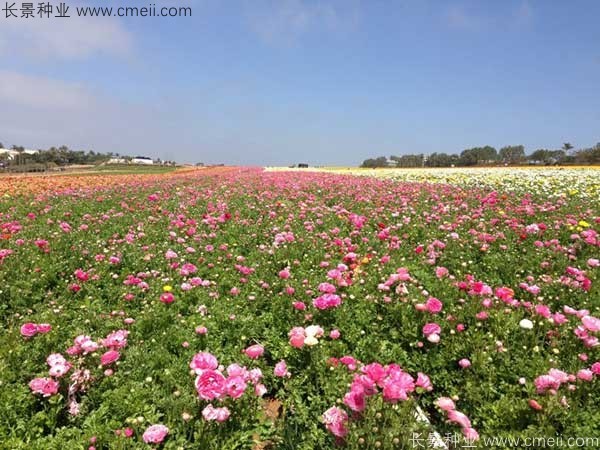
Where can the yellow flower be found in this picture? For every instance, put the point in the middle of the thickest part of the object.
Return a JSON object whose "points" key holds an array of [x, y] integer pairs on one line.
{"points": [[167, 288], [583, 223]]}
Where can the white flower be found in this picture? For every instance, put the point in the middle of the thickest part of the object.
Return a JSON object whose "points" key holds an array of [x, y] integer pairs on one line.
{"points": [[526, 324]]}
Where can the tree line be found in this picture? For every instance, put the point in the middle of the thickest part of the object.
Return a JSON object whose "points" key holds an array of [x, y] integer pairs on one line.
{"points": [[60, 156], [509, 155]]}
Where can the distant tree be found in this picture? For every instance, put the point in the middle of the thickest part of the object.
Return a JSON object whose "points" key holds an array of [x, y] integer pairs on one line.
{"points": [[567, 146], [512, 153], [478, 155], [376, 162]]}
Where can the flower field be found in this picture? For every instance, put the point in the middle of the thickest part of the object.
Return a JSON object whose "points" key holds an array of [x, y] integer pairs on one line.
{"points": [[236, 308]]}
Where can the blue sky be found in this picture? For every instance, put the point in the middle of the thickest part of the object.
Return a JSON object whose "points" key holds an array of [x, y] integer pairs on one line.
{"points": [[271, 82]]}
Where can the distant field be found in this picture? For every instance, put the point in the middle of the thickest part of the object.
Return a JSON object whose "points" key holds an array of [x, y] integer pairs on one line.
{"points": [[579, 181]]}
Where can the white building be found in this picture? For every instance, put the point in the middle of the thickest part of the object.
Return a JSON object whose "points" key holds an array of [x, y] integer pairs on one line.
{"points": [[12, 154], [142, 160]]}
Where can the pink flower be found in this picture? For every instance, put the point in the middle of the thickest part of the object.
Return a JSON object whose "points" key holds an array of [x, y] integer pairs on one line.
{"points": [[210, 384], [44, 327], [459, 418], [155, 434], [464, 363], [433, 305], [44, 386], [254, 351], [335, 420], [445, 404], [201, 330], [355, 400], [398, 386], [60, 369], [300, 306], [423, 382], [284, 274], [297, 336], [203, 361], [29, 329], [167, 298], [431, 328], [109, 357], [235, 386], [596, 368], [441, 272], [545, 383], [211, 413], [591, 323], [374, 371], [585, 375], [327, 301], [260, 390], [55, 358], [470, 434], [281, 369]]}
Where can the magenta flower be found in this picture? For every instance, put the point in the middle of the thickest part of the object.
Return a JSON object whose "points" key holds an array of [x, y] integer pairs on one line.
{"points": [[210, 384], [336, 421], [109, 357], [29, 329]]}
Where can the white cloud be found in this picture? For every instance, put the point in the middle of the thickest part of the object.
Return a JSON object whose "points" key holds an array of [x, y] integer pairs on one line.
{"points": [[63, 39], [20, 90], [283, 21]]}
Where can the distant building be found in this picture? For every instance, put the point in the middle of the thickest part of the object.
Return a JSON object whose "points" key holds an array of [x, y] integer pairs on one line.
{"points": [[12, 154], [142, 160], [116, 161], [303, 166]]}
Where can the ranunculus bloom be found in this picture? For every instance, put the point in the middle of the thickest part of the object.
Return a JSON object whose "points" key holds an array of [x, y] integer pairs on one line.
{"points": [[445, 404], [219, 414], [29, 329], [433, 305], [254, 351], [203, 361], [109, 357], [334, 334], [464, 363], [235, 386], [459, 418], [423, 382], [431, 328], [591, 323], [44, 327], [526, 324], [210, 384], [44, 386], [355, 400], [167, 298], [155, 434], [585, 375], [281, 369], [335, 420]]}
